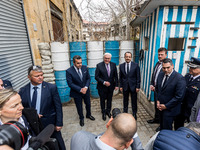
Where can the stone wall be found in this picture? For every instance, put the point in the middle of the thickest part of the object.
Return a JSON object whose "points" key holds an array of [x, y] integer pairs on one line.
{"points": [[148, 105]]}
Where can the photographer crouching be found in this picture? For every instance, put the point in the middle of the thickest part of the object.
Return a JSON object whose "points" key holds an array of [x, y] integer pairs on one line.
{"points": [[118, 136], [11, 109]]}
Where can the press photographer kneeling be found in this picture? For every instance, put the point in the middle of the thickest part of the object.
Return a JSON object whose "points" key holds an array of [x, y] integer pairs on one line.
{"points": [[18, 125]]}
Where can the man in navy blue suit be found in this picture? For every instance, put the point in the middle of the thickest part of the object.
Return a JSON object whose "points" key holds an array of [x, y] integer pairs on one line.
{"points": [[5, 84], [129, 82], [107, 81], [44, 98], [78, 79], [162, 54], [192, 90], [171, 90]]}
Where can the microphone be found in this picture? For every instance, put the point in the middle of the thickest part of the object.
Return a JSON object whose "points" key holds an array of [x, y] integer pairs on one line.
{"points": [[41, 138]]}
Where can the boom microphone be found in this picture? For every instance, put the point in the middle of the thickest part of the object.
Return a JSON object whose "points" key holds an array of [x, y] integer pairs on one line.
{"points": [[41, 138]]}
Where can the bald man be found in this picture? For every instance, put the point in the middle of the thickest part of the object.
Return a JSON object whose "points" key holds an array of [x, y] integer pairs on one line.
{"points": [[119, 135]]}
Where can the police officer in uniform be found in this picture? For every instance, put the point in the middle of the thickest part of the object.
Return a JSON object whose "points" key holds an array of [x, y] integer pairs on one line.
{"points": [[192, 91]]}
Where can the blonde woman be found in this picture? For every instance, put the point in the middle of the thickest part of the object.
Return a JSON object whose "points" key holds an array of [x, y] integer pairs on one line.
{"points": [[11, 109]]}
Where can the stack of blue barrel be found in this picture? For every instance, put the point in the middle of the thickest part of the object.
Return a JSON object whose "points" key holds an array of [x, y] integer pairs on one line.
{"points": [[95, 55], [60, 59]]}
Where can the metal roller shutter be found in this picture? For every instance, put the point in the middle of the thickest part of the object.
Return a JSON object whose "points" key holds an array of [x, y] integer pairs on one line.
{"points": [[15, 52]]}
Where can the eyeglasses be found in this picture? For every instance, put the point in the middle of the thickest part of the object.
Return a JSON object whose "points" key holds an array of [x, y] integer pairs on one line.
{"points": [[36, 67]]}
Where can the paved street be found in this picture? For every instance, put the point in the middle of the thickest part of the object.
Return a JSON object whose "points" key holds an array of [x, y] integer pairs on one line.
{"points": [[71, 120]]}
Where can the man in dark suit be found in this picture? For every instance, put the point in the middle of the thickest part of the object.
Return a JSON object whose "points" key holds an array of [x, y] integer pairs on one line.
{"points": [[192, 90], [107, 81], [78, 79], [129, 82], [171, 89], [162, 54], [44, 98], [5, 84]]}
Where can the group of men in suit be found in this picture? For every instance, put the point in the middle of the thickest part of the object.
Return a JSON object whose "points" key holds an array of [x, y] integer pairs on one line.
{"points": [[174, 95], [78, 79]]}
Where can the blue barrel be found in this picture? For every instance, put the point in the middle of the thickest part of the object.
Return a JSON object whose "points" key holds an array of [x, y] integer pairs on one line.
{"points": [[113, 48], [78, 48], [63, 88], [93, 83]]}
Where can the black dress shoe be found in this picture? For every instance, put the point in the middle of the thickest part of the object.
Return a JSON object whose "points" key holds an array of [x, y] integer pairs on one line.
{"points": [[158, 129], [108, 114], [91, 118], [153, 121], [104, 117], [81, 123]]}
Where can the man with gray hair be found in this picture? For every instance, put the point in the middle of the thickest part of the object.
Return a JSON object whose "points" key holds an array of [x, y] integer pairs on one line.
{"points": [[118, 136], [107, 81], [44, 98]]}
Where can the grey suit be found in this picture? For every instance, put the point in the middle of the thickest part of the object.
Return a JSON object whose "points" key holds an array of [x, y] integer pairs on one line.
{"points": [[195, 109], [83, 140]]}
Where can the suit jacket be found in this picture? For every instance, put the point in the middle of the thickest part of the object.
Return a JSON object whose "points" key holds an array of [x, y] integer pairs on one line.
{"points": [[75, 82], [101, 75], [192, 91], [154, 76], [172, 93], [50, 107], [195, 109], [83, 140], [6, 83], [181, 139], [132, 79]]}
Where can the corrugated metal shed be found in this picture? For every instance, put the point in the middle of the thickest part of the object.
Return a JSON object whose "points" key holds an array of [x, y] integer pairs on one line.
{"points": [[15, 52], [149, 6]]}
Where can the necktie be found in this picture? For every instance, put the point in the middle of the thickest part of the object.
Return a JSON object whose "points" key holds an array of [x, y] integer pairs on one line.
{"points": [[108, 70], [166, 77], [34, 98], [191, 79], [79, 73], [127, 69], [156, 69]]}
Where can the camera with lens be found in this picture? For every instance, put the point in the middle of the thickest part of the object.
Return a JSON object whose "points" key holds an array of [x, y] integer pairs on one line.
{"points": [[115, 112], [15, 135]]}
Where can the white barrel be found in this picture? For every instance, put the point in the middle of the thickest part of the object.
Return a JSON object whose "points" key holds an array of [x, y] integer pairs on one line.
{"points": [[95, 53], [60, 55], [126, 46]]}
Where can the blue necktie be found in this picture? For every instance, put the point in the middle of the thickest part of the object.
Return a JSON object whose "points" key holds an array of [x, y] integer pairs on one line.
{"points": [[165, 81], [34, 98], [127, 69], [79, 73]]}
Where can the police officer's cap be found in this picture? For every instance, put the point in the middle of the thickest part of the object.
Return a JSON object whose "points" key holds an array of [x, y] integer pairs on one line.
{"points": [[194, 63]]}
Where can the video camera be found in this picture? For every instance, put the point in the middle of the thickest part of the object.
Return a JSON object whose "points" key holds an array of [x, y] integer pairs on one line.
{"points": [[15, 135]]}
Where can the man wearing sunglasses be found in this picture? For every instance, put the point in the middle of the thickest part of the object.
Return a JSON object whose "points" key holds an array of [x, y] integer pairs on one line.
{"points": [[192, 90]]}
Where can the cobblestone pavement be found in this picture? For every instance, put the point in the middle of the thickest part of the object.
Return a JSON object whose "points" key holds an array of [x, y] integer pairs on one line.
{"points": [[71, 120]]}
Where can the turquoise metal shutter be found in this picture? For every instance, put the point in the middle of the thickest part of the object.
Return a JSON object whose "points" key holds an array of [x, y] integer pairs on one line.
{"points": [[15, 51]]}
